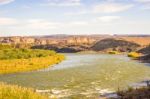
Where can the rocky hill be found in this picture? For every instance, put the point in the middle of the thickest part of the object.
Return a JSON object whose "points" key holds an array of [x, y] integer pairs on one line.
{"points": [[115, 44], [146, 52], [76, 43], [145, 58], [63, 48]]}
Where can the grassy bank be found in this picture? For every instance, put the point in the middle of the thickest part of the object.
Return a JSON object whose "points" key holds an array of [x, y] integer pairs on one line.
{"points": [[12, 53], [17, 92], [22, 65], [21, 60]]}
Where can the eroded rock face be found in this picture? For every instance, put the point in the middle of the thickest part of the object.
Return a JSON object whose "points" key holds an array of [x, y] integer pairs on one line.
{"points": [[17, 40], [80, 40], [44, 41], [75, 43]]}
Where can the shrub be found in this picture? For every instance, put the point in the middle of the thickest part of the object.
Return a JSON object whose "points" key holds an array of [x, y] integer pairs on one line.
{"points": [[21, 60], [134, 54], [24, 53], [113, 52]]}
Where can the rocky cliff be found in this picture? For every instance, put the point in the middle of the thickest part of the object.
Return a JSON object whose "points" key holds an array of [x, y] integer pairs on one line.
{"points": [[76, 43], [71, 40]]}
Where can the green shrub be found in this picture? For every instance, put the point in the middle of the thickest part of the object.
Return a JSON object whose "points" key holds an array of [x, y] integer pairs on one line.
{"points": [[134, 54], [24, 53], [113, 52]]}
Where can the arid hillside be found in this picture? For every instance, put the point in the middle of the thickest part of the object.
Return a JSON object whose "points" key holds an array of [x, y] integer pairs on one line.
{"points": [[143, 41], [76, 43]]}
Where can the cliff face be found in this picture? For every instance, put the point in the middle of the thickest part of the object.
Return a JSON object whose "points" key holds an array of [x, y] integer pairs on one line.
{"points": [[17, 40], [76, 43], [80, 40], [70, 39], [44, 41]]}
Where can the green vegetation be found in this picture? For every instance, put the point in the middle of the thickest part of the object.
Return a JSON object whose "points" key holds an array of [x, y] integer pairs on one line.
{"points": [[113, 52], [134, 54], [24, 53], [21, 60], [17, 92], [5, 46]]}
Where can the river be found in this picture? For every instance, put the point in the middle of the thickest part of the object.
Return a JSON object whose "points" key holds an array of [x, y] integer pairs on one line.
{"points": [[83, 76]]}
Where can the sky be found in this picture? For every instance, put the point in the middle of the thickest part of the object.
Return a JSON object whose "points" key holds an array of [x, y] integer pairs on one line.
{"points": [[47, 17]]}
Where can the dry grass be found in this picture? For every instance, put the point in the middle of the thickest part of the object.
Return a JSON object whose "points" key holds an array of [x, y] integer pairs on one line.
{"points": [[17, 92], [138, 93], [143, 41]]}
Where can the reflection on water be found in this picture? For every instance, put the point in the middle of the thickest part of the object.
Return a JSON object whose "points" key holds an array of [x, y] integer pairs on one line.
{"points": [[83, 75]]}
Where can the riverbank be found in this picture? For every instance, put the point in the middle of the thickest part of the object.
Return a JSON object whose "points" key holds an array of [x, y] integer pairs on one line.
{"points": [[24, 65], [17, 92], [23, 60], [139, 90], [14, 60]]}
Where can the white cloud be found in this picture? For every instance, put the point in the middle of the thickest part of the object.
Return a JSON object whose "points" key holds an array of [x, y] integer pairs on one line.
{"points": [[63, 3], [81, 12], [2, 2], [145, 4], [41, 24], [111, 7], [108, 18], [143, 1], [77, 23], [7, 21]]}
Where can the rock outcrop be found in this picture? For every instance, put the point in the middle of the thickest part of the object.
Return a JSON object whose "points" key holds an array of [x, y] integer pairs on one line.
{"points": [[63, 48], [146, 56], [115, 44], [145, 50], [76, 43], [72, 40]]}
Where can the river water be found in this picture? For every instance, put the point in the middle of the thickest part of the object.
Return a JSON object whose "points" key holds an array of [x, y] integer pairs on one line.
{"points": [[83, 76]]}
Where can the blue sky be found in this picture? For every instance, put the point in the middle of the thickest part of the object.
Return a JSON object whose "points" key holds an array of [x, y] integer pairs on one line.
{"points": [[46, 17]]}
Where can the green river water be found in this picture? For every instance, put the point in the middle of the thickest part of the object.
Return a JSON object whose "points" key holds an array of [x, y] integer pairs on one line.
{"points": [[83, 76]]}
